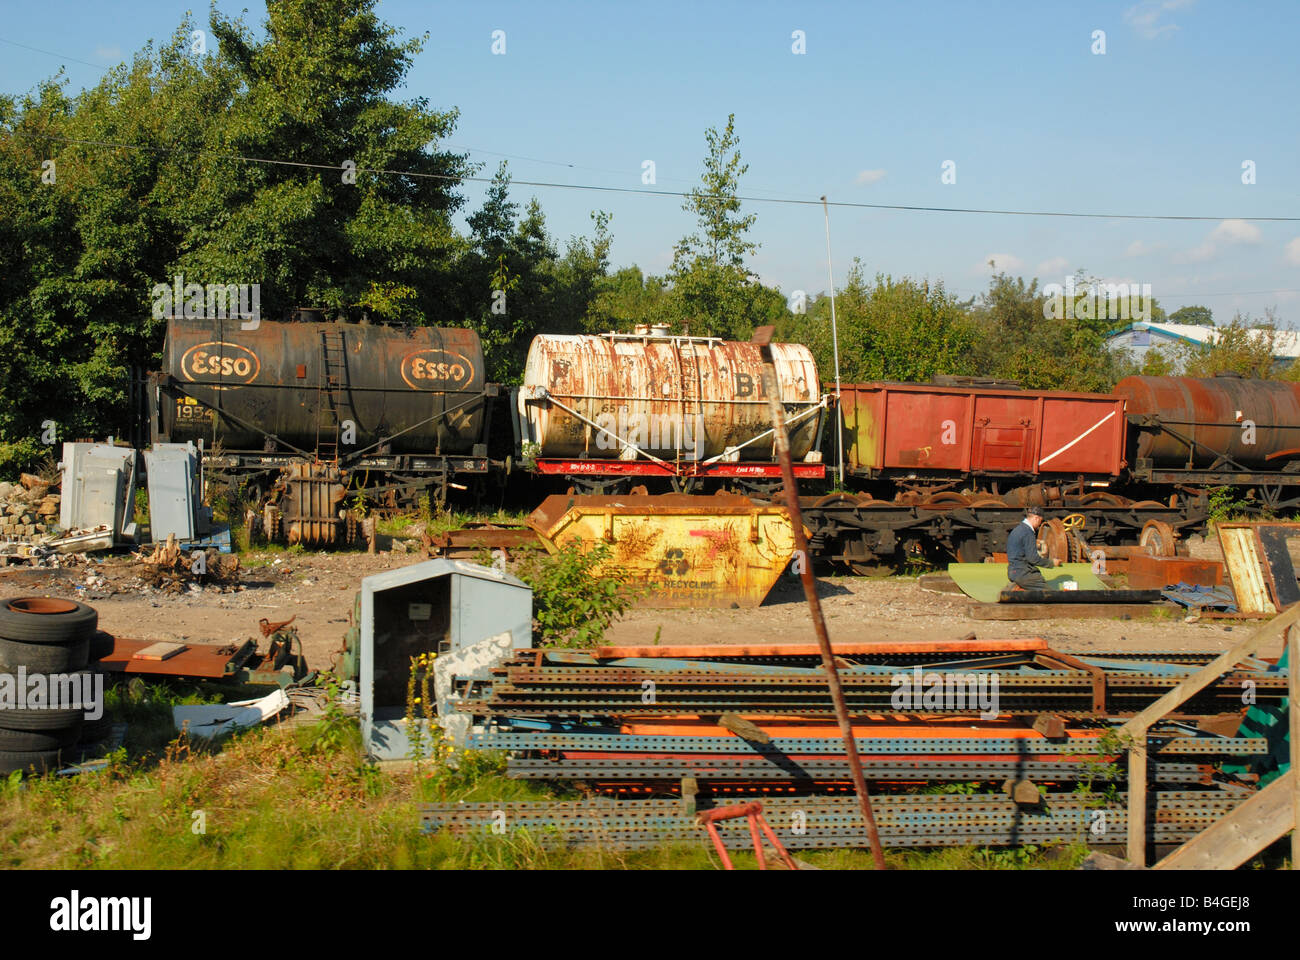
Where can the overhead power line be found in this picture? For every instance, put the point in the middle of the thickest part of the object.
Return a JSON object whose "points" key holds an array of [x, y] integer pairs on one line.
{"points": [[51, 53], [639, 191]]}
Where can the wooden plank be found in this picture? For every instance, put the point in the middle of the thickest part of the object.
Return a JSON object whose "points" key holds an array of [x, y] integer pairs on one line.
{"points": [[1064, 611], [1276, 560], [1261, 820], [1209, 673], [1079, 596], [1022, 792], [1137, 727], [1239, 556], [743, 728], [1050, 726], [1137, 799], [162, 650]]}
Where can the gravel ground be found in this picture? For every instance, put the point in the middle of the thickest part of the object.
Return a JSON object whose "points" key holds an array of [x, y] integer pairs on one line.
{"points": [[318, 590]]}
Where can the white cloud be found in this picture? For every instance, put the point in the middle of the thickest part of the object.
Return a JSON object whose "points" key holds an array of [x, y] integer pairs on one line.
{"points": [[1235, 231], [1002, 262], [1145, 17], [1226, 234], [1052, 266], [870, 176], [1293, 252], [1139, 249]]}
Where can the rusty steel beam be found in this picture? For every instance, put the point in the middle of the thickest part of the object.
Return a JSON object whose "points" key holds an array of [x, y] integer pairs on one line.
{"points": [[763, 338]]}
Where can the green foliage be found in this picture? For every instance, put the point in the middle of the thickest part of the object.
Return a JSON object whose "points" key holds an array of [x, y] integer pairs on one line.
{"points": [[576, 595], [1017, 337], [713, 289], [335, 729], [1241, 348], [1193, 315], [1224, 504], [21, 456], [888, 330], [1011, 858], [84, 251]]}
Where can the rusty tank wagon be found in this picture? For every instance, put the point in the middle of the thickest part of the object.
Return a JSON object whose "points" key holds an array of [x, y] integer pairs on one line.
{"points": [[604, 411], [294, 411]]}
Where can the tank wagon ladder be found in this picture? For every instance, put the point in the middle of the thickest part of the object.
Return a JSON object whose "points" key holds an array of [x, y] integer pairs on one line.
{"points": [[329, 395]]}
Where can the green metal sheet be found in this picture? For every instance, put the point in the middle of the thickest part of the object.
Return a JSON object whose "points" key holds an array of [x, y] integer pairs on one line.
{"points": [[1270, 723], [984, 581]]}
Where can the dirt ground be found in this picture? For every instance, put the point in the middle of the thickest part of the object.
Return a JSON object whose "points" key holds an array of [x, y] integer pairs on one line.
{"points": [[318, 589]]}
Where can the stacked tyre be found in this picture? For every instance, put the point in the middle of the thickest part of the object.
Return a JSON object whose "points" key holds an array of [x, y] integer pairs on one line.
{"points": [[95, 732], [40, 636]]}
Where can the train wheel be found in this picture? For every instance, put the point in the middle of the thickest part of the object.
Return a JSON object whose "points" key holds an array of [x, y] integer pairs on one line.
{"points": [[1099, 498], [1054, 541], [1158, 539], [945, 499], [1147, 505], [836, 500], [987, 502], [969, 551]]}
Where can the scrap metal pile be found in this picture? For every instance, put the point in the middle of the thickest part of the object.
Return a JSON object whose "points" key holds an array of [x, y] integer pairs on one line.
{"points": [[1030, 677], [1025, 729]]}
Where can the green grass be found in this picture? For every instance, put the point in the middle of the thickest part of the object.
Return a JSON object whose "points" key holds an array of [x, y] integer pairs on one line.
{"points": [[305, 797], [402, 526]]}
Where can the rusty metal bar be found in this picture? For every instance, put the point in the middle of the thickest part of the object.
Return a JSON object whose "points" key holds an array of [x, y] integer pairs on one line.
{"points": [[781, 443]]}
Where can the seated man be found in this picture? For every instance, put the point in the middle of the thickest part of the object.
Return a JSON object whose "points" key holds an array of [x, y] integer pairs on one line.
{"points": [[1022, 553]]}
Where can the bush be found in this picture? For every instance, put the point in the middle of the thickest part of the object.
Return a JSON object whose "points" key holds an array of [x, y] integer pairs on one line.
{"points": [[575, 598], [22, 456]]}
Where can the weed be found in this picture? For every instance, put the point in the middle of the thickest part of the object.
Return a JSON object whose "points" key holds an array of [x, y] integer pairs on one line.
{"points": [[575, 596], [335, 728], [420, 722]]}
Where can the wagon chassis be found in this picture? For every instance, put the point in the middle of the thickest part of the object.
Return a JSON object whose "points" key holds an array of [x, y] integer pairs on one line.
{"points": [[868, 537]]}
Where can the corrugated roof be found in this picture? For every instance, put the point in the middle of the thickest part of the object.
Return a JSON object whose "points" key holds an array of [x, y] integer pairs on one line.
{"points": [[1286, 343]]}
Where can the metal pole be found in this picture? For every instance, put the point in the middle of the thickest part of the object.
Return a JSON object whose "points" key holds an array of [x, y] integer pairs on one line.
{"points": [[763, 338], [835, 342]]}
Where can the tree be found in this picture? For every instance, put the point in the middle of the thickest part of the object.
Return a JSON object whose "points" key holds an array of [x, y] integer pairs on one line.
{"points": [[711, 285], [1239, 348], [1195, 316], [1023, 336], [891, 329], [81, 251]]}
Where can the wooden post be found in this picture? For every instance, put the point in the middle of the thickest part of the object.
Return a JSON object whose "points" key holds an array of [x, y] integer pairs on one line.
{"points": [[1137, 726], [1137, 798]]}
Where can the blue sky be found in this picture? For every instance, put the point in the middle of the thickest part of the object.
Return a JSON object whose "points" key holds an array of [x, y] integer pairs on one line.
{"points": [[884, 94]]}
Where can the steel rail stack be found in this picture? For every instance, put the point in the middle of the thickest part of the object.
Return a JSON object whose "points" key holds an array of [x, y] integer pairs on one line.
{"points": [[720, 724]]}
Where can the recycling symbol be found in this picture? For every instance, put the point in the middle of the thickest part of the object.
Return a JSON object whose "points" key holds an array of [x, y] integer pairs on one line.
{"points": [[674, 564]]}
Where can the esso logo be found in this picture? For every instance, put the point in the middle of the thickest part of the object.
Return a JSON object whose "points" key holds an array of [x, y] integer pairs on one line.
{"points": [[226, 361], [437, 370]]}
